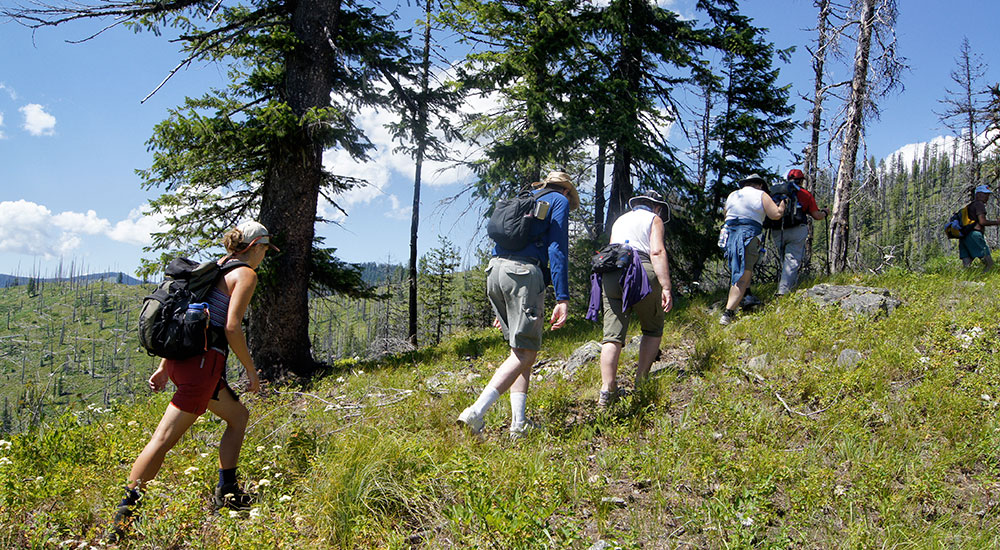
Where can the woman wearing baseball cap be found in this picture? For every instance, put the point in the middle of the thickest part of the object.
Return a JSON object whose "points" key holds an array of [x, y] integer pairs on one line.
{"points": [[201, 383]]}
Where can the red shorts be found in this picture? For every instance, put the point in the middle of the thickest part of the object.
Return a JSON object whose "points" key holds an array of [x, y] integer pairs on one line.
{"points": [[198, 380]]}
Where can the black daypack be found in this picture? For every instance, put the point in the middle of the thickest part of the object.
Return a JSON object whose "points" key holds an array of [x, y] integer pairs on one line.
{"points": [[164, 329], [510, 223], [794, 213], [611, 257]]}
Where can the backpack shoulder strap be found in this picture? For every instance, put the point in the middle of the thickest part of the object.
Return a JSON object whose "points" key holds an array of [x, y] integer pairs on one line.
{"points": [[542, 192], [230, 265]]}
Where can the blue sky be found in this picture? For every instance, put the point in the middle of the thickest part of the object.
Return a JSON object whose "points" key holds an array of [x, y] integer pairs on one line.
{"points": [[73, 131]]}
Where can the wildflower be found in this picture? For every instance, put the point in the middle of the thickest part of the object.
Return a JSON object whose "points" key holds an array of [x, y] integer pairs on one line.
{"points": [[747, 522], [277, 474], [109, 426], [234, 514], [985, 397], [340, 379], [255, 512], [284, 498], [277, 447], [4, 445], [328, 408], [39, 479], [4, 461], [202, 455], [260, 448], [264, 482], [266, 468], [191, 470], [133, 423], [840, 490]]}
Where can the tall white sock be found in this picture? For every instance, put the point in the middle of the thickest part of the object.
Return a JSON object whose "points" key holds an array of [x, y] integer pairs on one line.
{"points": [[485, 401], [518, 403]]}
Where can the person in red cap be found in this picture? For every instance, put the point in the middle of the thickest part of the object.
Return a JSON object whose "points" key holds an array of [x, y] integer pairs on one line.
{"points": [[790, 239], [201, 383]]}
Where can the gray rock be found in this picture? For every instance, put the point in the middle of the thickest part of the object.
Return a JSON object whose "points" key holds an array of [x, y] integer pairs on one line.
{"points": [[633, 345], [758, 364], [601, 545], [849, 358], [615, 501], [583, 355], [856, 300]]}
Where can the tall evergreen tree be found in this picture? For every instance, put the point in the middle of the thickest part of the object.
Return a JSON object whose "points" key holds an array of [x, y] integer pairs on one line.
{"points": [[438, 269], [255, 149]]}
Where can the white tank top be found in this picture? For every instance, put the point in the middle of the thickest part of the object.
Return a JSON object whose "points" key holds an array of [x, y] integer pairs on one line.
{"points": [[747, 203], [634, 227]]}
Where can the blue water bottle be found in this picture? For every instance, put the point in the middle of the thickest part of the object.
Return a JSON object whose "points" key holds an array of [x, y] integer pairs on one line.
{"points": [[196, 312]]}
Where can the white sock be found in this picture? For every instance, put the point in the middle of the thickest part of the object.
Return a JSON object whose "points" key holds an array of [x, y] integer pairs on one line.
{"points": [[518, 403], [485, 401]]}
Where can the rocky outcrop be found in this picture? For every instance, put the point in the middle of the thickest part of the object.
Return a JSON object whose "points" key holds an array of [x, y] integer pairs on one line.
{"points": [[856, 300]]}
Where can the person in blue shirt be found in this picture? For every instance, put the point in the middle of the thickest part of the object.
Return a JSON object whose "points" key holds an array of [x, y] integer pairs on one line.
{"points": [[515, 285]]}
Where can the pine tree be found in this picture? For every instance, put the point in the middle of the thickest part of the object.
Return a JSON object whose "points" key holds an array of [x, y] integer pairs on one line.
{"points": [[437, 267]]}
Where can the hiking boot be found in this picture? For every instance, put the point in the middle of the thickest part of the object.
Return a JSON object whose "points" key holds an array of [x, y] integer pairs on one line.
{"points": [[750, 301], [125, 516], [525, 428], [607, 398], [728, 317], [232, 497], [471, 422]]}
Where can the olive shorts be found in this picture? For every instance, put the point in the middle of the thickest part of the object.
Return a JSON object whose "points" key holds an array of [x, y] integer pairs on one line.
{"points": [[648, 310], [516, 290]]}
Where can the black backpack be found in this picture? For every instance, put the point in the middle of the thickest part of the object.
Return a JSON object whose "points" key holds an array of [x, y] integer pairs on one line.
{"points": [[164, 329], [510, 224], [794, 214], [611, 257]]}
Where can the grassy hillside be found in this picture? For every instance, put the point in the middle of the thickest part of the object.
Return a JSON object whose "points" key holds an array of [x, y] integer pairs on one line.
{"points": [[726, 447]]}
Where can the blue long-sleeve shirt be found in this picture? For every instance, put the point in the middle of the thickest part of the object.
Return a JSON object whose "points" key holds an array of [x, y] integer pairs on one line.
{"points": [[553, 235]]}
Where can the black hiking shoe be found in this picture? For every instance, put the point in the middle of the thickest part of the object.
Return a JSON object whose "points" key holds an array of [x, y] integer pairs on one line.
{"points": [[125, 517], [232, 497]]}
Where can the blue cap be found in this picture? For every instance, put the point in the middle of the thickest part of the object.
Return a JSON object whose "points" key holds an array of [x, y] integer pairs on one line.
{"points": [[983, 189]]}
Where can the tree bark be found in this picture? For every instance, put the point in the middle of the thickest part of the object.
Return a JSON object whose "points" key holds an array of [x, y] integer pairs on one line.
{"points": [[812, 154], [421, 139], [602, 151], [279, 317], [840, 221]]}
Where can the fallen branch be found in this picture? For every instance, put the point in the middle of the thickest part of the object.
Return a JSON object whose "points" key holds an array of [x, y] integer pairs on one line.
{"points": [[790, 411]]}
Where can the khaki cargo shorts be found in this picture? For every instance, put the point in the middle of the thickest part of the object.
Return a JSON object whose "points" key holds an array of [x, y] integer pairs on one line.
{"points": [[516, 290], [648, 310]]}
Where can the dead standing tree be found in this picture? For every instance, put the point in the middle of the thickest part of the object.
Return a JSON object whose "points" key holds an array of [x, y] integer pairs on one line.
{"points": [[872, 78]]}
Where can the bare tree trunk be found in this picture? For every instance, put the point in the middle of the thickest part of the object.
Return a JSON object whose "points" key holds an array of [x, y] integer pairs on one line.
{"points": [[840, 221], [421, 135], [602, 152], [811, 164]]}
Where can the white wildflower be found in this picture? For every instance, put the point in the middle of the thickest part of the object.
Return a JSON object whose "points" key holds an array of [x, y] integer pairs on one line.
{"points": [[264, 482], [191, 470], [4, 445], [985, 397], [255, 512], [360, 372], [278, 474], [234, 514], [340, 379], [840, 490], [266, 468], [747, 522], [284, 498], [109, 426], [260, 448], [133, 423], [202, 455], [39, 479], [4, 461], [328, 408], [277, 447]]}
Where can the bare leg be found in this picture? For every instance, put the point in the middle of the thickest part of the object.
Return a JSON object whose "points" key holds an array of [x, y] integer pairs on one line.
{"points": [[736, 291], [516, 368], [236, 416], [172, 426], [610, 353], [648, 347]]}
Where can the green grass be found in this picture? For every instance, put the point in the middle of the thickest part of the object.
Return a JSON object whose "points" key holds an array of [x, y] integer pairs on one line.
{"points": [[898, 451]]}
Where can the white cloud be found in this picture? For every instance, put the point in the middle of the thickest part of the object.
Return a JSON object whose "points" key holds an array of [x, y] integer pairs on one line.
{"points": [[32, 229], [36, 121], [138, 227], [2, 136], [395, 212], [10, 91]]}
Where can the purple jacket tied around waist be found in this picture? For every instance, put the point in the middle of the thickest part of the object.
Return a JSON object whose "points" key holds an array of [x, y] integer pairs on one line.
{"points": [[635, 287]]}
